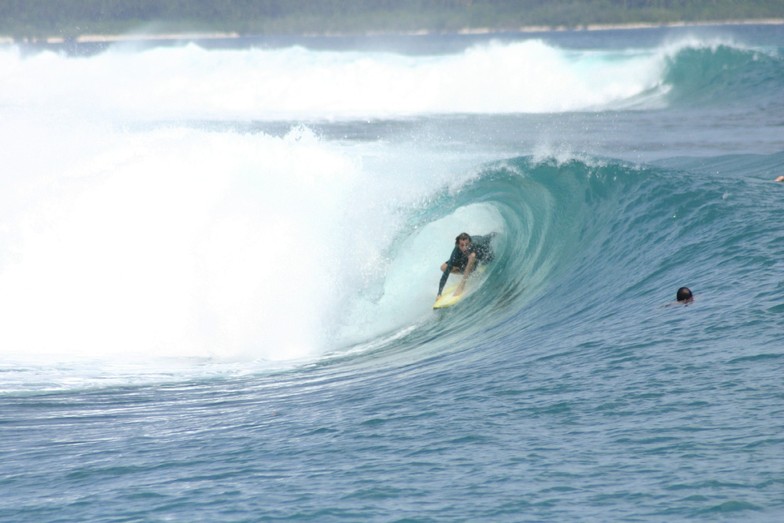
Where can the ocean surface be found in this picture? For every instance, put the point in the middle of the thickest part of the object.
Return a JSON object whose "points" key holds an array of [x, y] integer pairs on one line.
{"points": [[218, 261]]}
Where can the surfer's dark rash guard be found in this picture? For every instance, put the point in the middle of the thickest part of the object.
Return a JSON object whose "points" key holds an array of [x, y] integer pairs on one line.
{"points": [[479, 245]]}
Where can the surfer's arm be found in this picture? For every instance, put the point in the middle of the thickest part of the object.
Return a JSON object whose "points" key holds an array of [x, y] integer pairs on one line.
{"points": [[469, 268], [448, 267], [444, 278]]}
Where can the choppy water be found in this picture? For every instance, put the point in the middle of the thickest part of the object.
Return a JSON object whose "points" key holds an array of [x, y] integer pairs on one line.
{"points": [[217, 266]]}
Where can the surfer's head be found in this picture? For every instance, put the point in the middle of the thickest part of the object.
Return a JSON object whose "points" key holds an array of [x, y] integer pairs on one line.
{"points": [[684, 295], [463, 241]]}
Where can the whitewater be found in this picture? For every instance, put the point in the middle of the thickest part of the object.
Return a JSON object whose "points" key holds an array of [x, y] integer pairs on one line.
{"points": [[218, 262]]}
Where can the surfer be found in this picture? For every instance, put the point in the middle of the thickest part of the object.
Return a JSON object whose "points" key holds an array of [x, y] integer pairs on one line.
{"points": [[465, 256]]}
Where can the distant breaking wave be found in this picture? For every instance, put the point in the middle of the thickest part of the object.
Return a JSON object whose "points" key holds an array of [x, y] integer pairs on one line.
{"points": [[531, 76]]}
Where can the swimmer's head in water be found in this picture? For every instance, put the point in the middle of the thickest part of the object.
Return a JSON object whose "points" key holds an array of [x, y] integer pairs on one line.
{"points": [[684, 294]]}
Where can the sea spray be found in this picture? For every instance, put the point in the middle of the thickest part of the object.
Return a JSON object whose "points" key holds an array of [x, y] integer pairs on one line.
{"points": [[176, 242]]}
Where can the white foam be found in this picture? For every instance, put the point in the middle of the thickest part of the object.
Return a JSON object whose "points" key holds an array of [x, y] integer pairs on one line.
{"points": [[172, 242], [190, 82]]}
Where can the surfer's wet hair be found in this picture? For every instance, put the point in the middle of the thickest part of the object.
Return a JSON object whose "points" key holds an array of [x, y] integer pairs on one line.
{"points": [[684, 294], [462, 236]]}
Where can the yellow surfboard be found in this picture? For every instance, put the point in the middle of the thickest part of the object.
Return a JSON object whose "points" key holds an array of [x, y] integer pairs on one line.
{"points": [[448, 297]]}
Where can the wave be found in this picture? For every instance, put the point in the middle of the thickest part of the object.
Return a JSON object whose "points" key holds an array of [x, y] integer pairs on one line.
{"points": [[587, 241], [130, 239], [715, 74], [142, 259], [529, 76], [548, 214]]}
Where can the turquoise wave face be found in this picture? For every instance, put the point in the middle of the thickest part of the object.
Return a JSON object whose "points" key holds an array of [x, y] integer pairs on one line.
{"points": [[723, 73]]}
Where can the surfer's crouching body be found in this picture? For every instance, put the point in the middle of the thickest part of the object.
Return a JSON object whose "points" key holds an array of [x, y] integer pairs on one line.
{"points": [[468, 252]]}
